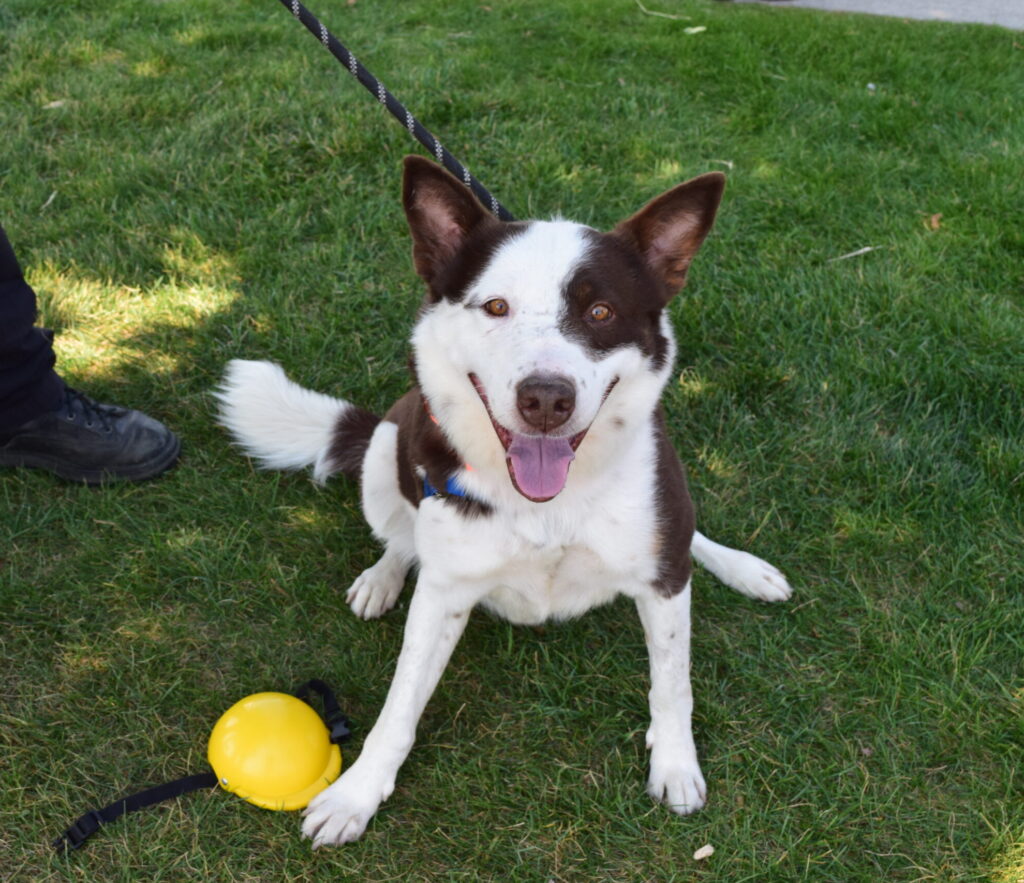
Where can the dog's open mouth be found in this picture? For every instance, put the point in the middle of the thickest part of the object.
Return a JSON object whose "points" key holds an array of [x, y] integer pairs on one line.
{"points": [[537, 464]]}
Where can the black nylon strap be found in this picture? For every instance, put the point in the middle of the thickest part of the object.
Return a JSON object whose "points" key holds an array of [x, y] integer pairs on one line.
{"points": [[334, 717], [85, 826]]}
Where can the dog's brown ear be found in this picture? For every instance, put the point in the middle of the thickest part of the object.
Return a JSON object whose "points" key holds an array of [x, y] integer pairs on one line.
{"points": [[669, 230], [441, 212]]}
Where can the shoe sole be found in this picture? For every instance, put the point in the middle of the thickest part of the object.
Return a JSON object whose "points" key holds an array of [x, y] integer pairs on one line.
{"points": [[159, 463]]}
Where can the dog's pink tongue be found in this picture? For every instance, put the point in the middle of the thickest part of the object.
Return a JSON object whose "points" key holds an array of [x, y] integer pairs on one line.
{"points": [[540, 465]]}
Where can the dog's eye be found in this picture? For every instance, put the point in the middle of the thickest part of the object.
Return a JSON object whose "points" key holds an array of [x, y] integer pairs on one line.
{"points": [[601, 313], [497, 306]]}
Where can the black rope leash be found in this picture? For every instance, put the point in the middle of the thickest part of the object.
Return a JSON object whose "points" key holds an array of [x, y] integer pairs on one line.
{"points": [[398, 110]]}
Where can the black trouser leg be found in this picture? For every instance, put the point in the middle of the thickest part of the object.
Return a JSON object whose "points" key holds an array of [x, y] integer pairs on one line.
{"points": [[29, 386]]}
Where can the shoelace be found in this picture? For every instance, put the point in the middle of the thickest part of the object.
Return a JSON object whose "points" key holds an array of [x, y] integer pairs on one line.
{"points": [[87, 408]]}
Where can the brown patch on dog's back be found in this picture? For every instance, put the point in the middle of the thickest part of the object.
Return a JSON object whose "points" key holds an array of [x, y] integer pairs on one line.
{"points": [[404, 414], [350, 439]]}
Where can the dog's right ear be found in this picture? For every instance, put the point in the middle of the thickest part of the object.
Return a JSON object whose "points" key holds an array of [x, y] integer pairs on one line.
{"points": [[441, 212]]}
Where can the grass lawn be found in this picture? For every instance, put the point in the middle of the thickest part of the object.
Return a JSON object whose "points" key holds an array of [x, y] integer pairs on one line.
{"points": [[189, 181]]}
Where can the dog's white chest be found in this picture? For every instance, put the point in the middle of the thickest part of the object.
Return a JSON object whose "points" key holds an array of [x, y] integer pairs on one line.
{"points": [[531, 569], [555, 584]]}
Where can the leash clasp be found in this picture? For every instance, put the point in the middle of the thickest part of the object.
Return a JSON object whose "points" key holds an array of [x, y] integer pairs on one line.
{"points": [[80, 830]]}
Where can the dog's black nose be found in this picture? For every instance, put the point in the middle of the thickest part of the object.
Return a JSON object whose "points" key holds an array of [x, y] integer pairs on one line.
{"points": [[546, 401]]}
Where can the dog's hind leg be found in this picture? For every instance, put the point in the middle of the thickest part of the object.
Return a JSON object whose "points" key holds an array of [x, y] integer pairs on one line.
{"points": [[391, 517], [745, 573]]}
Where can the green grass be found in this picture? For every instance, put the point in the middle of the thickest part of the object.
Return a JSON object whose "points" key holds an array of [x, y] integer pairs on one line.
{"points": [[189, 181]]}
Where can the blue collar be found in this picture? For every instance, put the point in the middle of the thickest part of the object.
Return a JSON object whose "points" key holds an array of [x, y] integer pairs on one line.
{"points": [[451, 488]]}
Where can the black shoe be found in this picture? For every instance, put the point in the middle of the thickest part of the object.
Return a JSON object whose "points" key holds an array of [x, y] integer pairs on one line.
{"points": [[86, 441]]}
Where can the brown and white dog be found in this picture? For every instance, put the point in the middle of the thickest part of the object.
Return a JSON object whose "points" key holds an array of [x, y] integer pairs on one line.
{"points": [[528, 470]]}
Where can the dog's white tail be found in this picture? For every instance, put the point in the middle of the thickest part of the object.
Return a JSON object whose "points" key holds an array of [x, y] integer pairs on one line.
{"points": [[285, 426]]}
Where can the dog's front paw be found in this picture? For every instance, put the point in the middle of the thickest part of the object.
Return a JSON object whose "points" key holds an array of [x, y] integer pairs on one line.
{"points": [[340, 813], [756, 578], [376, 589], [677, 784]]}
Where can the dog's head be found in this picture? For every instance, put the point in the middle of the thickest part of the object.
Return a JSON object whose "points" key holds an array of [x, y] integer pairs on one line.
{"points": [[533, 332]]}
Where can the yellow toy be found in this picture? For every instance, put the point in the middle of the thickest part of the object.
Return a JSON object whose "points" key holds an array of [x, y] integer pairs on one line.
{"points": [[271, 749], [274, 751]]}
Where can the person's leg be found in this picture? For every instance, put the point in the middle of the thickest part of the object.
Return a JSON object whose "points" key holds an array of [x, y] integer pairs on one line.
{"points": [[44, 424], [29, 387]]}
